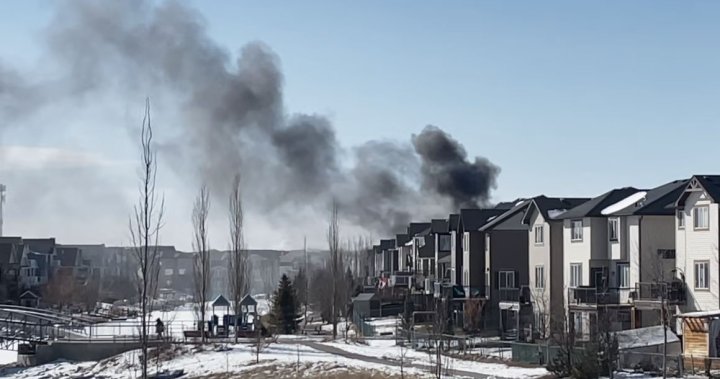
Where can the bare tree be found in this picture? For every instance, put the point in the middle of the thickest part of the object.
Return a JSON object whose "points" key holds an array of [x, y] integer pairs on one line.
{"points": [[333, 237], [202, 252], [145, 225], [238, 255]]}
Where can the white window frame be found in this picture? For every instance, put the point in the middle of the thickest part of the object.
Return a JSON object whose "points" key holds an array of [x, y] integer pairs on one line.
{"points": [[539, 231], [579, 236], [623, 275], [169, 272], [701, 282], [698, 217], [575, 275], [509, 277], [466, 242], [613, 226], [540, 277], [680, 216]]}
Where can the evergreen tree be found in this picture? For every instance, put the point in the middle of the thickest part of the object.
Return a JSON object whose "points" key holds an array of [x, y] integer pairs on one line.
{"points": [[284, 314]]}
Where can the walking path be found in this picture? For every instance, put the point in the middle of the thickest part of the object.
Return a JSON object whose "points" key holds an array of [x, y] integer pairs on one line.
{"points": [[335, 351]]}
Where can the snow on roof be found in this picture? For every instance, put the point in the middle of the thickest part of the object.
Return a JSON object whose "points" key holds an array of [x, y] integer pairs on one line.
{"points": [[552, 213], [519, 202], [699, 314], [624, 203], [492, 218], [642, 337]]}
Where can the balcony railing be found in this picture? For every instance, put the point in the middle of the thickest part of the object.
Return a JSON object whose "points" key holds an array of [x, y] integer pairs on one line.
{"points": [[593, 296], [514, 295], [670, 292]]}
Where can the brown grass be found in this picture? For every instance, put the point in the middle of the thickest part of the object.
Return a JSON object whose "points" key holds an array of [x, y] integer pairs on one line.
{"points": [[287, 371]]}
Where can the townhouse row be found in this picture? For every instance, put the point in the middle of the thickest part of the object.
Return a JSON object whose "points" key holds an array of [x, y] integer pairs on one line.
{"points": [[617, 261]]}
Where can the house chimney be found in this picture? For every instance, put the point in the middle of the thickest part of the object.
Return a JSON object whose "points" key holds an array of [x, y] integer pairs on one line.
{"points": [[2, 201]]}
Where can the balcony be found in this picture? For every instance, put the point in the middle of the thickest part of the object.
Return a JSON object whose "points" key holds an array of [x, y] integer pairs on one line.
{"points": [[593, 296], [654, 294], [514, 295]]}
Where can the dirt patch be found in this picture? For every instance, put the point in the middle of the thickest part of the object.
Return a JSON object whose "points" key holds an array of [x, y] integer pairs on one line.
{"points": [[319, 371]]}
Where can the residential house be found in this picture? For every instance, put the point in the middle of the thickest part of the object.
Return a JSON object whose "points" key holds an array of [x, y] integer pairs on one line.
{"points": [[402, 277], [423, 251], [440, 230], [506, 272], [642, 231], [473, 248], [69, 261], [593, 265], [545, 259], [9, 269]]}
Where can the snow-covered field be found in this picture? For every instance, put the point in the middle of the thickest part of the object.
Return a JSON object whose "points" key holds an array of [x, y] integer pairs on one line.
{"points": [[239, 359], [387, 349]]}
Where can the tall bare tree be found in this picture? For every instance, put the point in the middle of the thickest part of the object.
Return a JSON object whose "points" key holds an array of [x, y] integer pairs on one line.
{"points": [[145, 224], [333, 237], [202, 252], [238, 255]]}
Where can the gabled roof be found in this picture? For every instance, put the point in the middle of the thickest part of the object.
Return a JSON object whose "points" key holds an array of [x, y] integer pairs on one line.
{"points": [[709, 183], [220, 301], [41, 245], [551, 207], [248, 300], [507, 205], [594, 207], [453, 222], [401, 240], [474, 219], [519, 206], [68, 256], [658, 201], [387, 244], [6, 253], [439, 226], [417, 227]]}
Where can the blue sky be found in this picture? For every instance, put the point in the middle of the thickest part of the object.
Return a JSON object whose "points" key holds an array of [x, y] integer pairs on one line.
{"points": [[568, 98]]}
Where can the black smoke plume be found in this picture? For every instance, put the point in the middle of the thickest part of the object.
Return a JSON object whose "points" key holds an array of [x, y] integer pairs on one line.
{"points": [[234, 119]]}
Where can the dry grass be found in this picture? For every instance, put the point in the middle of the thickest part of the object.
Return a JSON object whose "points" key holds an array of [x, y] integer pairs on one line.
{"points": [[288, 371]]}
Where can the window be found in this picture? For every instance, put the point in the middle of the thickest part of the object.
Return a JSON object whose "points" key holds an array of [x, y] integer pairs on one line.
{"points": [[466, 241], [575, 274], [701, 217], [181, 271], [444, 242], [540, 277], [702, 274], [623, 274], [539, 234], [613, 229], [680, 219], [506, 279], [432, 266], [168, 272], [577, 230]]}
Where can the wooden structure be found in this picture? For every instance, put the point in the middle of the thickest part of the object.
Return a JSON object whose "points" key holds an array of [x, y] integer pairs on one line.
{"points": [[699, 345]]}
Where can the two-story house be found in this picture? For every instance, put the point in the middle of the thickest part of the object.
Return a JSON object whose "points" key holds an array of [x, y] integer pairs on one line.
{"points": [[594, 266], [697, 228], [440, 230], [545, 260], [473, 248], [506, 270], [641, 235]]}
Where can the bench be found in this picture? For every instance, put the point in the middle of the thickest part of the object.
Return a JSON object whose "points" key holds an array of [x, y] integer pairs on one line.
{"points": [[194, 334]]}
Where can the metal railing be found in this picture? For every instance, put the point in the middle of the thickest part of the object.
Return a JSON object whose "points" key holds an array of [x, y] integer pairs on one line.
{"points": [[515, 295], [593, 296], [671, 292]]}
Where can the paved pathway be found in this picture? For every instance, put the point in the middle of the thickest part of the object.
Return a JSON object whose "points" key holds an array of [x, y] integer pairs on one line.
{"points": [[387, 362]]}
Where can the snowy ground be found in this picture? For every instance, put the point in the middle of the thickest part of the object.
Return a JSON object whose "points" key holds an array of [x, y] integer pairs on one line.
{"points": [[239, 359], [387, 349]]}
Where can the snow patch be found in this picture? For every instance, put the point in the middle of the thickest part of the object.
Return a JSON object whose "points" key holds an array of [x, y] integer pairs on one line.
{"points": [[624, 203], [554, 213]]}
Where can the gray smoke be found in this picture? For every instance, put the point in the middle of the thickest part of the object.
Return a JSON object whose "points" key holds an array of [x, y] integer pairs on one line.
{"points": [[233, 118]]}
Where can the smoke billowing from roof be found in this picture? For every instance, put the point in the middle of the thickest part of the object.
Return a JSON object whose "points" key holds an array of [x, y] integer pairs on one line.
{"points": [[234, 119]]}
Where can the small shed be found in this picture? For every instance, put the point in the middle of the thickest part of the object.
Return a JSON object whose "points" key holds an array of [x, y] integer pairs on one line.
{"points": [[29, 299], [366, 305], [701, 333]]}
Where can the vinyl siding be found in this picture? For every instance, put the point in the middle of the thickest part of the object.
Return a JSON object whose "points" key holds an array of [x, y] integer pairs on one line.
{"points": [[576, 252], [693, 245]]}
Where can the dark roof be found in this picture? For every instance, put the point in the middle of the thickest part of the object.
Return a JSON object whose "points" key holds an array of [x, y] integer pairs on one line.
{"points": [[417, 227], [11, 240], [387, 244], [29, 295], [6, 252], [508, 205], [594, 207], [710, 183], [401, 239], [520, 206], [474, 219], [658, 201], [248, 300], [545, 204], [364, 297], [439, 226], [41, 245], [220, 301], [453, 222]]}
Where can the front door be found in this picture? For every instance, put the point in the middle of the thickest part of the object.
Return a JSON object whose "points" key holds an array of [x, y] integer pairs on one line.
{"points": [[598, 276]]}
